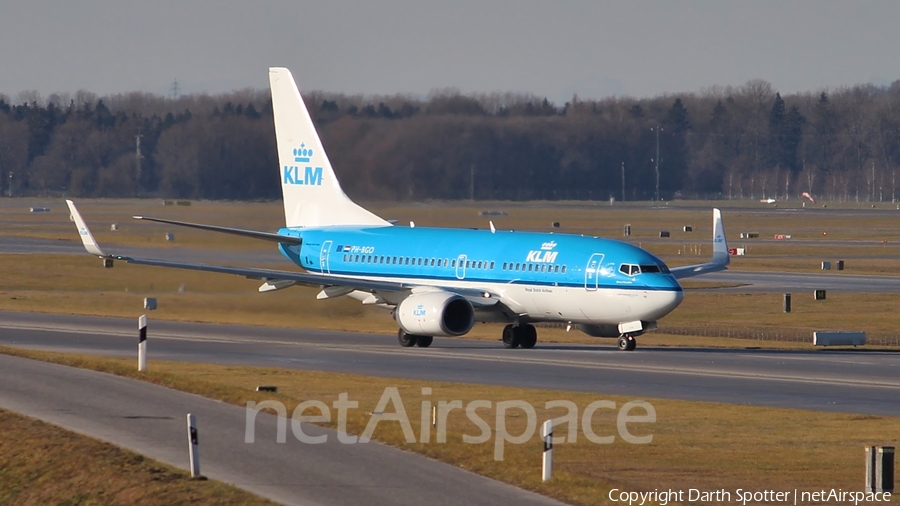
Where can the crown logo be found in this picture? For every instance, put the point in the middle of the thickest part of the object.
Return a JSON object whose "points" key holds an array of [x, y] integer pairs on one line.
{"points": [[302, 153]]}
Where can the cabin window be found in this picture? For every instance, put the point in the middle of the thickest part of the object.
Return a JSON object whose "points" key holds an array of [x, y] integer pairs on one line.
{"points": [[492, 265], [432, 262], [446, 262], [557, 269], [479, 265], [357, 259], [453, 263], [345, 257], [544, 268], [518, 266], [504, 266], [530, 267], [564, 269], [467, 264]]}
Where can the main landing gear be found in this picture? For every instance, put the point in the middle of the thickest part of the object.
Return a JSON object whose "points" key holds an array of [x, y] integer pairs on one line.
{"points": [[519, 335], [627, 343], [410, 340]]}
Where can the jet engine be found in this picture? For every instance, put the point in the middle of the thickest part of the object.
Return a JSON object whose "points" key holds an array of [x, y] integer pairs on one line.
{"points": [[435, 314]]}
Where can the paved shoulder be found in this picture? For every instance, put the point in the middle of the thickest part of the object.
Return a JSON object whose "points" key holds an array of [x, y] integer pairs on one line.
{"points": [[151, 420]]}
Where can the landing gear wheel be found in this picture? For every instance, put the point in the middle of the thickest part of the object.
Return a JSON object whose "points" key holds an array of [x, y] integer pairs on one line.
{"points": [[627, 343], [424, 341], [406, 340], [528, 336], [511, 336]]}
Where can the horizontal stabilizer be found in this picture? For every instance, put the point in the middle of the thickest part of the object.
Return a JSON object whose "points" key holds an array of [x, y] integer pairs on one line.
{"points": [[252, 234]]}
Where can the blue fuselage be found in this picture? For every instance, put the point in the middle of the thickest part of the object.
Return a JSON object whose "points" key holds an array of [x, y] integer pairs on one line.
{"points": [[479, 256]]}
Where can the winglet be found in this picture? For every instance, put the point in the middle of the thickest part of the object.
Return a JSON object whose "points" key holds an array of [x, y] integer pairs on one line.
{"points": [[720, 258], [720, 246], [90, 244]]}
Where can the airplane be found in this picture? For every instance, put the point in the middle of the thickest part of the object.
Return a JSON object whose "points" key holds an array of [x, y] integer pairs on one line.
{"points": [[441, 281]]}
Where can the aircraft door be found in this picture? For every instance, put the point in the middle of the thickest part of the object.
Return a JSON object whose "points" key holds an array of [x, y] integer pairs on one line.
{"points": [[461, 267], [323, 257], [592, 272]]}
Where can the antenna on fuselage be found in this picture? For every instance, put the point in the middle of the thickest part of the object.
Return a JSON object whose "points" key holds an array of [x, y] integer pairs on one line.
{"points": [[412, 224], [493, 230]]}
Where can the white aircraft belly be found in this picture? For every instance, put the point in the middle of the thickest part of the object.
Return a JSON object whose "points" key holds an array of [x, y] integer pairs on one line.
{"points": [[575, 304]]}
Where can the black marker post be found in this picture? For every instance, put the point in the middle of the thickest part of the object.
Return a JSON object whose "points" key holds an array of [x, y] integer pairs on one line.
{"points": [[142, 343]]}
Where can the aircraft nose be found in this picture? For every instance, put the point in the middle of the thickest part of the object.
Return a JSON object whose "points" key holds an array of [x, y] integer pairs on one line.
{"points": [[665, 301]]}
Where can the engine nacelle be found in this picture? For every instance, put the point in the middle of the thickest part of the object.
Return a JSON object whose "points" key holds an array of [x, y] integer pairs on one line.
{"points": [[435, 314]]}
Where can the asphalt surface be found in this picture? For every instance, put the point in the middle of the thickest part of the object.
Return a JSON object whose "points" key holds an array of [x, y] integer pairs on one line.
{"points": [[151, 420], [770, 281], [850, 381]]}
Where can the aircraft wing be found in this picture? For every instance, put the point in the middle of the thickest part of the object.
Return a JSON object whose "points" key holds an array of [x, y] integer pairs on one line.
{"points": [[302, 278], [720, 258]]}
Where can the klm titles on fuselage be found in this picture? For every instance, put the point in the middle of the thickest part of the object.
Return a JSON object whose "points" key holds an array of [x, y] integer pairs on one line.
{"points": [[547, 257], [544, 255], [310, 176]]}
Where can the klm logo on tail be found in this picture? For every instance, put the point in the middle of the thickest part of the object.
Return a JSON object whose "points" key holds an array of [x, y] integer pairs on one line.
{"points": [[310, 176]]}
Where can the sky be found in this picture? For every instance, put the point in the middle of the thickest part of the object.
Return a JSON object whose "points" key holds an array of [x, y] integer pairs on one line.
{"points": [[552, 49]]}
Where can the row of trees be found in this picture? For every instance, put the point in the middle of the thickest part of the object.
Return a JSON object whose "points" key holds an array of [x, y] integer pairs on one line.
{"points": [[730, 142]]}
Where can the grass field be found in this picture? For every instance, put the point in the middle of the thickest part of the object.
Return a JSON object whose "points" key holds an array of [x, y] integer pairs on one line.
{"points": [[694, 444], [43, 464], [646, 219]]}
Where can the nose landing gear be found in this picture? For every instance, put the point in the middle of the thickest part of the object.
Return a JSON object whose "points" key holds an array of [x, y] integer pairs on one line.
{"points": [[627, 342]]}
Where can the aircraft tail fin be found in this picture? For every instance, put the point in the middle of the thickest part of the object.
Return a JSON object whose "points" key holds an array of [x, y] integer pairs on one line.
{"points": [[312, 195]]}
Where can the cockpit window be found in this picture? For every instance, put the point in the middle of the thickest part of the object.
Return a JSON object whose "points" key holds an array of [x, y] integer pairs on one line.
{"points": [[650, 268], [630, 269]]}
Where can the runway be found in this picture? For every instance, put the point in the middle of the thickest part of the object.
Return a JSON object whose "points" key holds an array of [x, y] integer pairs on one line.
{"points": [[150, 419], [827, 380], [769, 282]]}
